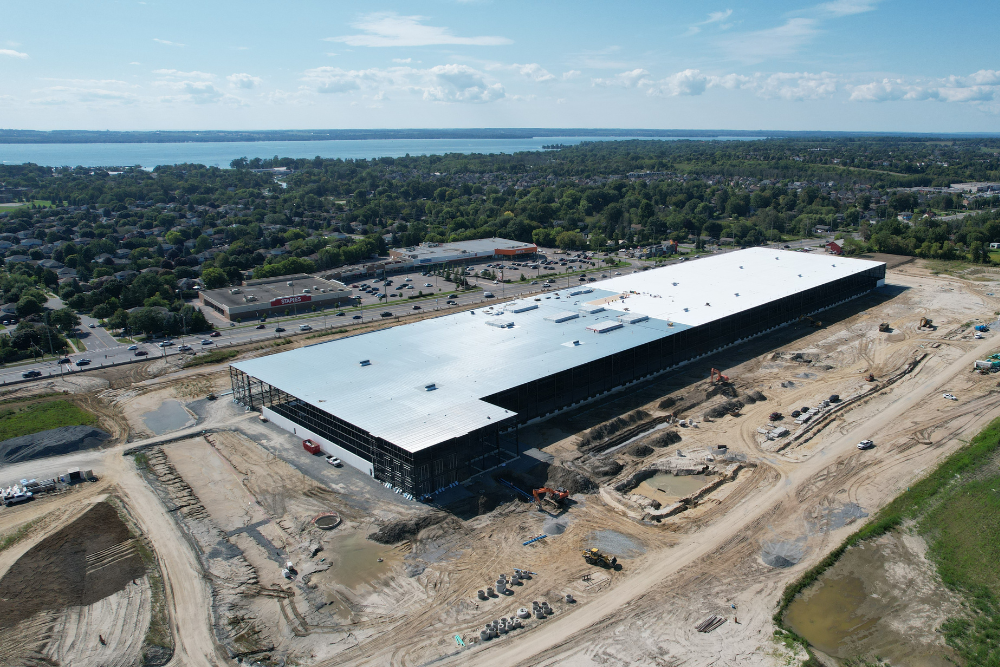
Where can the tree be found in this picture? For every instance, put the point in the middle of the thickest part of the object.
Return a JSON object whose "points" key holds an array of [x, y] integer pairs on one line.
{"points": [[28, 305], [598, 242], [214, 278], [65, 319], [570, 241]]}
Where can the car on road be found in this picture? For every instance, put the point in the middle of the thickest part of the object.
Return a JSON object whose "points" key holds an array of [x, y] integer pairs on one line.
{"points": [[205, 341], [786, 246], [950, 397], [386, 314], [866, 444], [451, 303], [583, 278], [341, 313], [31, 374], [416, 307], [91, 326], [488, 295], [260, 326], [83, 362], [214, 334], [356, 317], [279, 329], [140, 353], [534, 282], [184, 348], [618, 273], [305, 327], [452, 296], [166, 343], [64, 360], [334, 461], [133, 347]]}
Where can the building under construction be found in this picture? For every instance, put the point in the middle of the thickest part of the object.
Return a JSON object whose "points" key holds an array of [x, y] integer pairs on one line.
{"points": [[437, 401]]}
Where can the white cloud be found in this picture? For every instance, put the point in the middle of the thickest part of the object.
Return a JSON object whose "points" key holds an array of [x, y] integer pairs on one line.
{"points": [[134, 62], [981, 86], [167, 42], [688, 82], [402, 61], [443, 83], [177, 74], [838, 8], [533, 71], [11, 53], [243, 80], [391, 29], [778, 42], [631, 79], [713, 17], [571, 74]]}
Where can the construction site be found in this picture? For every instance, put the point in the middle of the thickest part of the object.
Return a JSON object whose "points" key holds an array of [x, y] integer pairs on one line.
{"points": [[653, 522]]}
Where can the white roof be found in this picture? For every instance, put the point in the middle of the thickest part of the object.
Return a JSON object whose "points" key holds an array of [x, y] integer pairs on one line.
{"points": [[467, 360]]}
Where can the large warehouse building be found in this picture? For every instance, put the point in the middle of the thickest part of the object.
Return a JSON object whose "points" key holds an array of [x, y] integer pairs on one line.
{"points": [[426, 404]]}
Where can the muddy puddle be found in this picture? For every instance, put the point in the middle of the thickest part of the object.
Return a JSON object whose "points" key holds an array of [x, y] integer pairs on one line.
{"points": [[170, 416], [667, 488], [881, 598], [355, 561]]}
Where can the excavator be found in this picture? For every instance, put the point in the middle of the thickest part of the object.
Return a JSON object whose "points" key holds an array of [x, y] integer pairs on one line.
{"points": [[556, 496], [595, 557], [716, 372]]}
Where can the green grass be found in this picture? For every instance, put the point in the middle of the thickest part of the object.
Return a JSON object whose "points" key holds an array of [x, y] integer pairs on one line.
{"points": [[78, 344], [958, 512], [213, 357], [12, 538], [41, 417]]}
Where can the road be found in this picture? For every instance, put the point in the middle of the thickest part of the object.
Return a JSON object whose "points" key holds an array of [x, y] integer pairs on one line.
{"points": [[562, 632]]}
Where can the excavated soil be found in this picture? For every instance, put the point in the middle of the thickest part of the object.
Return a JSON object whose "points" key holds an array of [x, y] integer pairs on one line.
{"points": [[85, 562]]}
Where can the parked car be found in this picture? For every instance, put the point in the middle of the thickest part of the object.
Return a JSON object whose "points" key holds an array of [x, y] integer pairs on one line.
{"points": [[83, 362], [866, 444], [31, 374], [950, 397], [334, 461], [428, 285]]}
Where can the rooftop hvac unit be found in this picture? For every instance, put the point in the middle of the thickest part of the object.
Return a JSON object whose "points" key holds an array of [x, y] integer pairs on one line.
{"points": [[605, 326], [500, 324], [430, 387], [365, 362], [563, 317], [520, 308], [632, 318]]}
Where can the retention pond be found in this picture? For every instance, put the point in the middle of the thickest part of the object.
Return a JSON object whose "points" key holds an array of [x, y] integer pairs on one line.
{"points": [[667, 488]]}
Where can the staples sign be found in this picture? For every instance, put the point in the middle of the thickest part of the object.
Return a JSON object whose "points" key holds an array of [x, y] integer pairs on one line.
{"points": [[290, 300]]}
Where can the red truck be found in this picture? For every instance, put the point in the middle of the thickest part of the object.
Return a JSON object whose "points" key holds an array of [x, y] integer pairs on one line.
{"points": [[310, 447]]}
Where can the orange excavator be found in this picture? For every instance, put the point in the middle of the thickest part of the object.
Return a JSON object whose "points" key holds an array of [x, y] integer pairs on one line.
{"points": [[556, 496], [716, 372]]}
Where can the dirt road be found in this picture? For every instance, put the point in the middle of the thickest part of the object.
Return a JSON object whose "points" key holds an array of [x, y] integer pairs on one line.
{"points": [[563, 634]]}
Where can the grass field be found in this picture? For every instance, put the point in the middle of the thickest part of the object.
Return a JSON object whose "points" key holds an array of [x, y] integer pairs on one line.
{"points": [[41, 417], [213, 357], [957, 510]]}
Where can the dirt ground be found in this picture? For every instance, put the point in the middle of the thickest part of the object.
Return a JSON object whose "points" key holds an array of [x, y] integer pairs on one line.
{"points": [[235, 506]]}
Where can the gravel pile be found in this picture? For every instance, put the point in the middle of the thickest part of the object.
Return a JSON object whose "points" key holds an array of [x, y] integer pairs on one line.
{"points": [[54, 442], [783, 554], [616, 544]]}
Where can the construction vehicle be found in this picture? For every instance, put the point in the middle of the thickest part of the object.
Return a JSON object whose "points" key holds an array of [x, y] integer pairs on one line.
{"points": [[595, 557], [716, 372], [556, 496], [884, 327], [925, 322], [870, 378], [982, 327], [774, 416], [813, 323]]}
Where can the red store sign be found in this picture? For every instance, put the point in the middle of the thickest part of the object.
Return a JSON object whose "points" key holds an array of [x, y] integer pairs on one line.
{"points": [[290, 300]]}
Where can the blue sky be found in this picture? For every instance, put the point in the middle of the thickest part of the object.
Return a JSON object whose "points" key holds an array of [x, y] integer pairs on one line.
{"points": [[889, 65]]}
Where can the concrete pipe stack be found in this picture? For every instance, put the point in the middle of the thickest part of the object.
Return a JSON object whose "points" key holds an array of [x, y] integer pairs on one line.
{"points": [[501, 586], [523, 574], [484, 635], [482, 594], [523, 613], [489, 591], [515, 580], [569, 598]]}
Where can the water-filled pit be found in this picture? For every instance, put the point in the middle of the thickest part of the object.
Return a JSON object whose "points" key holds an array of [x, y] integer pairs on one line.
{"points": [[170, 416], [667, 488]]}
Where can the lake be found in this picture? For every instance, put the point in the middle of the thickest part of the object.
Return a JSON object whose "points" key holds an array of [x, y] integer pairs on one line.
{"points": [[220, 154]]}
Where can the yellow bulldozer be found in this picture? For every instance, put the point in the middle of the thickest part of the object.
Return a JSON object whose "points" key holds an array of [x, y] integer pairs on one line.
{"points": [[596, 557], [884, 327], [925, 323]]}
